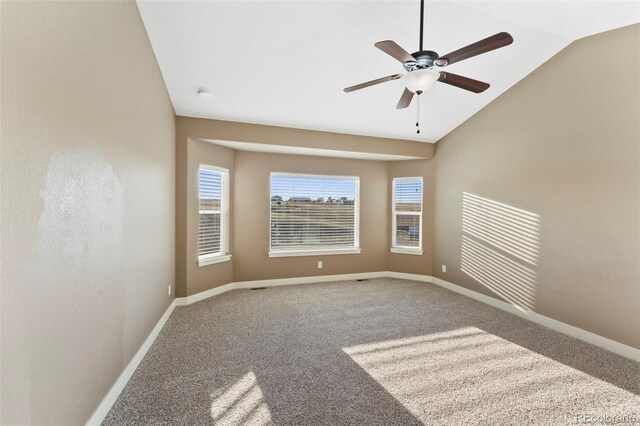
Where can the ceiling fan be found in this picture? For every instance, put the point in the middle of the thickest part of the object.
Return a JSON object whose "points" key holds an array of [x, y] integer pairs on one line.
{"points": [[420, 65]]}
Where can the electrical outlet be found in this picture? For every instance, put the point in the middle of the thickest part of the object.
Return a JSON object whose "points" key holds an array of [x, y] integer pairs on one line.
{"points": [[320, 264], [444, 268], [169, 290]]}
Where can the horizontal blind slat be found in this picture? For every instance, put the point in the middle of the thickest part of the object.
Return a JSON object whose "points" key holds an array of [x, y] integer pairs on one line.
{"points": [[311, 212], [407, 198], [209, 205]]}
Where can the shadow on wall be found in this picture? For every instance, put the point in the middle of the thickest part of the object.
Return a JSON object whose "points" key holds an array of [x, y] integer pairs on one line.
{"points": [[500, 248]]}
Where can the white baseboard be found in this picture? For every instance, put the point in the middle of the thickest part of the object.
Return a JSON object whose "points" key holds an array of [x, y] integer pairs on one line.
{"points": [[183, 301], [406, 276], [597, 340], [578, 333], [110, 398], [310, 280]]}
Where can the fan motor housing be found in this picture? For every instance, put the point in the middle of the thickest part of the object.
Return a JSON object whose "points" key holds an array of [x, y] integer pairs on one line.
{"points": [[424, 60]]}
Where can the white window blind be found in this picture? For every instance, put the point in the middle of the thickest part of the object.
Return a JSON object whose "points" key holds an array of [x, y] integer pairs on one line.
{"points": [[311, 214], [407, 213], [213, 209]]}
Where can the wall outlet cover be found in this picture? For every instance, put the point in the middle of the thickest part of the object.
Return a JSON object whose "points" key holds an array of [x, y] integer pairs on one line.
{"points": [[320, 264], [444, 268]]}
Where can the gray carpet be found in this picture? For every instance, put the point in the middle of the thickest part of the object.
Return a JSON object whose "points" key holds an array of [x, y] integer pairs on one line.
{"points": [[383, 352]]}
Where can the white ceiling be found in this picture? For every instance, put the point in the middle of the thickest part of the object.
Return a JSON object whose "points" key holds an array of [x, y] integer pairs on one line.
{"points": [[569, 19], [285, 63]]}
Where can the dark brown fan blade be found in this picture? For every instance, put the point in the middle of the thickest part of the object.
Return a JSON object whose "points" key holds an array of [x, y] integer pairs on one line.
{"points": [[391, 48], [373, 82], [483, 46], [405, 99], [465, 83]]}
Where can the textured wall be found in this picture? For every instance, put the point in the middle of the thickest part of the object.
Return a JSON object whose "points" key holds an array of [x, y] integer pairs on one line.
{"points": [[538, 195], [87, 203]]}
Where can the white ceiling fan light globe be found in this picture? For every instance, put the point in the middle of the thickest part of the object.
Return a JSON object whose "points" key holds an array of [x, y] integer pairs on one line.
{"points": [[421, 80]]}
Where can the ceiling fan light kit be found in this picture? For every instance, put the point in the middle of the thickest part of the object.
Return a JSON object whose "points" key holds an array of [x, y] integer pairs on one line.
{"points": [[420, 67], [420, 80]]}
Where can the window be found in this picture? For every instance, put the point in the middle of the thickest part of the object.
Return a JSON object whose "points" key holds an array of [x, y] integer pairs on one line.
{"points": [[213, 228], [407, 215], [313, 215]]}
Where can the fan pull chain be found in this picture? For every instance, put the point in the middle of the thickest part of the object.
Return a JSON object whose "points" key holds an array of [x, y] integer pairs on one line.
{"points": [[418, 115]]}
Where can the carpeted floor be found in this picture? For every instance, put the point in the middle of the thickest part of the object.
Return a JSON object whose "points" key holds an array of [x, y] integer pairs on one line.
{"points": [[377, 352]]}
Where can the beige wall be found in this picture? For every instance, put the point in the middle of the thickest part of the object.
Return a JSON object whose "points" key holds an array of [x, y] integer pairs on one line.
{"points": [[563, 147], [199, 279], [251, 231], [249, 224], [198, 128], [250, 217], [87, 196], [88, 168], [250, 202], [414, 264]]}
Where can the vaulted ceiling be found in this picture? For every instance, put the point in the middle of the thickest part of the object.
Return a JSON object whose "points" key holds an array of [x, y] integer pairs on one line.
{"points": [[285, 63]]}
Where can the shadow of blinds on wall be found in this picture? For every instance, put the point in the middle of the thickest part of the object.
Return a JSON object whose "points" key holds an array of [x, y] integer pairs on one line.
{"points": [[500, 248], [314, 213]]}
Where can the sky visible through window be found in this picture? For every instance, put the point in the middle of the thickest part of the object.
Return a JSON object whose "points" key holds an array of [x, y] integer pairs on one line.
{"points": [[210, 184], [408, 191], [312, 187]]}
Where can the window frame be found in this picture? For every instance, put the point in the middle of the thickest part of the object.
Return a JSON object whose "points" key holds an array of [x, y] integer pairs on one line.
{"points": [[315, 252], [395, 248], [223, 255]]}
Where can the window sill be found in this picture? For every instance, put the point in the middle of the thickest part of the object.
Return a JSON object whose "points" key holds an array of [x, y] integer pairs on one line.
{"points": [[414, 251], [313, 252], [214, 259]]}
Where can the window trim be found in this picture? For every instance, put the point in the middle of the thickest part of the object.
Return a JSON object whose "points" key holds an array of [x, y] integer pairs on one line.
{"points": [[318, 252], [330, 252], [223, 255], [395, 248], [211, 259]]}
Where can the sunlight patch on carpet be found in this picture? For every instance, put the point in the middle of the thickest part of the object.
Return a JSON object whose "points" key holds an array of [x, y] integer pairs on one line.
{"points": [[466, 374], [240, 403]]}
